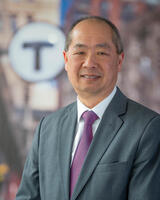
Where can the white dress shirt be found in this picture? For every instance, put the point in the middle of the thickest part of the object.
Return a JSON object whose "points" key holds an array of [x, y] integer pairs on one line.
{"points": [[98, 109]]}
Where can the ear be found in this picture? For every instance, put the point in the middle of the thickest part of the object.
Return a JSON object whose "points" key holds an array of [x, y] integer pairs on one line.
{"points": [[65, 59], [120, 60]]}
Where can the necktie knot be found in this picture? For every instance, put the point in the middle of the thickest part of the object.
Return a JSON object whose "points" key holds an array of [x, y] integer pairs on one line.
{"points": [[89, 117]]}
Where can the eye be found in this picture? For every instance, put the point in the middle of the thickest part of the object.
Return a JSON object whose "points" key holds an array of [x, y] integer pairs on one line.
{"points": [[102, 53], [79, 53]]}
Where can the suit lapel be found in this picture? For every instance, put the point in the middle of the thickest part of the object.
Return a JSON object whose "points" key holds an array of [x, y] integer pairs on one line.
{"points": [[66, 136], [107, 130]]}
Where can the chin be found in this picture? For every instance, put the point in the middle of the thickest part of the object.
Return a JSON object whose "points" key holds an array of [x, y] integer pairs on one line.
{"points": [[90, 92]]}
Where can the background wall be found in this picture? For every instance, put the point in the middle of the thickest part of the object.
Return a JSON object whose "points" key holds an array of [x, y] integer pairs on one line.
{"points": [[23, 103]]}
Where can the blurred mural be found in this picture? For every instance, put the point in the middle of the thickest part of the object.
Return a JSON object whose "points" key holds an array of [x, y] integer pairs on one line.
{"points": [[23, 101]]}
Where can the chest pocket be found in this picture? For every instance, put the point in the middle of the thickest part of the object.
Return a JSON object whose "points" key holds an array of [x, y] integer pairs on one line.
{"points": [[111, 167]]}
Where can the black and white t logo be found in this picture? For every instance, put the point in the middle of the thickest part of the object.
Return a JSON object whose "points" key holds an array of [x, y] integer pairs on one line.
{"points": [[36, 52]]}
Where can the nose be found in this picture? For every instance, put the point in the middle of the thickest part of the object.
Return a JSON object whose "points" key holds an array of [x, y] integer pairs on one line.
{"points": [[89, 61]]}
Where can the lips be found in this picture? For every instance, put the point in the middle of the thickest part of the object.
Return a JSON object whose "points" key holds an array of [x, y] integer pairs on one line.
{"points": [[90, 76]]}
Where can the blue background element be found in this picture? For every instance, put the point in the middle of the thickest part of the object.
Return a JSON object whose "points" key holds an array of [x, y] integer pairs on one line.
{"points": [[64, 7]]}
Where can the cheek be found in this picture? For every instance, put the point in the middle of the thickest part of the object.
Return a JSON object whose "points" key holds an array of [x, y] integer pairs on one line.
{"points": [[110, 72], [73, 66], [72, 71]]}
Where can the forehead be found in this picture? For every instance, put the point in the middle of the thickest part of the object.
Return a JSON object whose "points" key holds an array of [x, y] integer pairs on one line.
{"points": [[91, 31]]}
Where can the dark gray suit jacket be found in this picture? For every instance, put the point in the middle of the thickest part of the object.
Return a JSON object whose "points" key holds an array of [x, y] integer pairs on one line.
{"points": [[123, 162]]}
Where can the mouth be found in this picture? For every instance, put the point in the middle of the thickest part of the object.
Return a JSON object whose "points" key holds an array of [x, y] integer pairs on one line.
{"points": [[90, 77]]}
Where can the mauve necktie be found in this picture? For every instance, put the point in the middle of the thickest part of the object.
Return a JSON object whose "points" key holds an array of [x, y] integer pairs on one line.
{"points": [[82, 149]]}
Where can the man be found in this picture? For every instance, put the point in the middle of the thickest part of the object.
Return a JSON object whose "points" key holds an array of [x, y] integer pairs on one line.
{"points": [[121, 159]]}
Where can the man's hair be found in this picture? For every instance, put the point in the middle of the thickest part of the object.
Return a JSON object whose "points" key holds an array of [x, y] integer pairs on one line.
{"points": [[116, 38]]}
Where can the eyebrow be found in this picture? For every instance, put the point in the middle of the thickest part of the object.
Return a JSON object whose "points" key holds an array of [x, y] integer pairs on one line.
{"points": [[80, 45], [104, 45], [100, 45]]}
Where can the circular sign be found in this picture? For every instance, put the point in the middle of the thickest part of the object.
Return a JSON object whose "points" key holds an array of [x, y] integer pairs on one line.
{"points": [[36, 50]]}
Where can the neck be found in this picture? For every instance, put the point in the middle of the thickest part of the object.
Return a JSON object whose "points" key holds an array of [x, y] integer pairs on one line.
{"points": [[91, 101], [89, 104]]}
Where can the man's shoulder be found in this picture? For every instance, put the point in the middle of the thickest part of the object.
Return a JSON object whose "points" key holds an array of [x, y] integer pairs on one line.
{"points": [[131, 107], [132, 110], [140, 111], [56, 115], [142, 108]]}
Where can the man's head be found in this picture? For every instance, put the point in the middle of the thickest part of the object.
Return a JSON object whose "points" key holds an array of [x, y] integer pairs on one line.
{"points": [[115, 37], [93, 57]]}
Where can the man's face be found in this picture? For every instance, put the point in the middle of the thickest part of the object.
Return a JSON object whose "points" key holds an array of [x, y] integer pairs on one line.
{"points": [[92, 62]]}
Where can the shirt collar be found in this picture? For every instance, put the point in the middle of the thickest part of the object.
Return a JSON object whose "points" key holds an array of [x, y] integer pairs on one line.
{"points": [[98, 109]]}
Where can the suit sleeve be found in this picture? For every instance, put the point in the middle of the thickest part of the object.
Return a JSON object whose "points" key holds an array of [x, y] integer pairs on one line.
{"points": [[145, 176], [29, 187]]}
